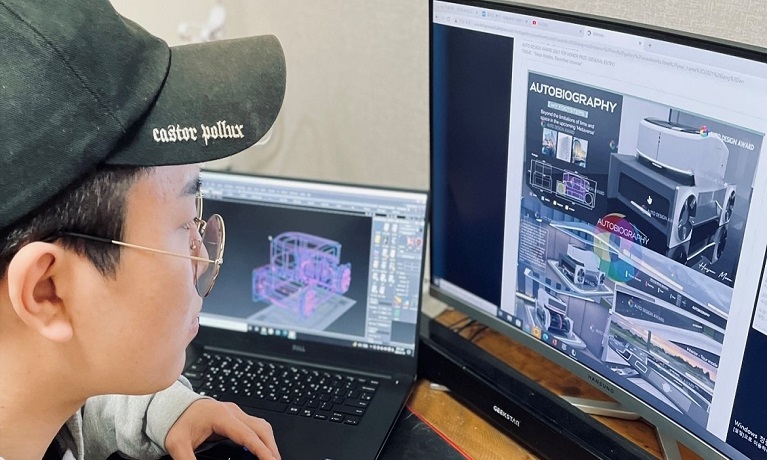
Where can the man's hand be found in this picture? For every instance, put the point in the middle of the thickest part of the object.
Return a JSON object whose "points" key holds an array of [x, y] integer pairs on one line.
{"points": [[207, 417]]}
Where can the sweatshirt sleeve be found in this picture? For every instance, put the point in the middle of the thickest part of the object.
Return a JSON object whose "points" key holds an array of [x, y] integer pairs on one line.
{"points": [[135, 426]]}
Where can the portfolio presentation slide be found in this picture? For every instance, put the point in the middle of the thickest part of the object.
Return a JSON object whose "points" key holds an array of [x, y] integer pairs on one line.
{"points": [[631, 228], [631, 224]]}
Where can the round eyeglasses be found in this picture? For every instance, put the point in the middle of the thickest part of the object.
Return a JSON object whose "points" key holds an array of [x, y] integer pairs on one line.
{"points": [[207, 248], [213, 236]]}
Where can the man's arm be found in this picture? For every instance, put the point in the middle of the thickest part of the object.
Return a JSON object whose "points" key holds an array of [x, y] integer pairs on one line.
{"points": [[176, 419], [135, 426]]}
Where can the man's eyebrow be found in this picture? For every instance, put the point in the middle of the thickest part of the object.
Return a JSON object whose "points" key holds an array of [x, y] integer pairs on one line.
{"points": [[192, 187]]}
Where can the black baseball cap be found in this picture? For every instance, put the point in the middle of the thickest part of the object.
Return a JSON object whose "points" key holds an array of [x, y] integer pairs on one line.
{"points": [[82, 86]]}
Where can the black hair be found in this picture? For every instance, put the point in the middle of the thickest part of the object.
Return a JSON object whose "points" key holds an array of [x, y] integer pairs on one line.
{"points": [[96, 206]]}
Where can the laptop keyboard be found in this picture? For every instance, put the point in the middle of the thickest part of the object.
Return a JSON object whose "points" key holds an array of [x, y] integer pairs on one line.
{"points": [[285, 388]]}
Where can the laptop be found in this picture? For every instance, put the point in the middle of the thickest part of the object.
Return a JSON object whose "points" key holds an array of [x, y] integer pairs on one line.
{"points": [[322, 282]]}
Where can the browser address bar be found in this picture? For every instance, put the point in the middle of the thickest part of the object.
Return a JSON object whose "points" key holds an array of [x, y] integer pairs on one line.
{"points": [[716, 63]]}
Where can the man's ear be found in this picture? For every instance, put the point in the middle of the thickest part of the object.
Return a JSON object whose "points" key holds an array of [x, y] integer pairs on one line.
{"points": [[33, 291]]}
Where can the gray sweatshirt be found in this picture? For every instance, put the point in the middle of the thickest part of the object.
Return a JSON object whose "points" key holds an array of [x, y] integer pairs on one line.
{"points": [[135, 426]]}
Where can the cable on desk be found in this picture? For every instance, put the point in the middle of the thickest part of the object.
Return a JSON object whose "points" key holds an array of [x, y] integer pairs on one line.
{"points": [[464, 327], [476, 333], [455, 326], [439, 433]]}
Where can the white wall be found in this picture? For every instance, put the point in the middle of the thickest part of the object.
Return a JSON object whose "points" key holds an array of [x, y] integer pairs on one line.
{"points": [[356, 108]]}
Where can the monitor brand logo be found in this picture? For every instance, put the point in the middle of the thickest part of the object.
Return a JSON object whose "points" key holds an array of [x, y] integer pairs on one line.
{"points": [[601, 384], [299, 348], [507, 416]]}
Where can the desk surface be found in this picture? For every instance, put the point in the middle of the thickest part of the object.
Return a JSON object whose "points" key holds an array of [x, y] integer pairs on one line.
{"points": [[480, 440]]}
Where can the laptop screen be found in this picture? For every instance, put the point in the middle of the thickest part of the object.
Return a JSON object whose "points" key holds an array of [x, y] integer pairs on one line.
{"points": [[303, 260]]}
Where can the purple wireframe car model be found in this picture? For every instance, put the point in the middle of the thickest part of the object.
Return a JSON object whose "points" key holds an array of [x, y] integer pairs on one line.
{"points": [[304, 271]]}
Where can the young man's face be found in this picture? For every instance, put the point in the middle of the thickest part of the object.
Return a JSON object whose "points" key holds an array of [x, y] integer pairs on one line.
{"points": [[134, 327]]}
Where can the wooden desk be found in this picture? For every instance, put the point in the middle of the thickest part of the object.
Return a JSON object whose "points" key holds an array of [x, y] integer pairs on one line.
{"points": [[481, 440]]}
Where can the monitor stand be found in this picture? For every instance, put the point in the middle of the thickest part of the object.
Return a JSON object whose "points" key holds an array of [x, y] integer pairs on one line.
{"points": [[668, 445]]}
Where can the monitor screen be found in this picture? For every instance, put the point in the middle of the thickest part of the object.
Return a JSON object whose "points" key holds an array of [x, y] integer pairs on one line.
{"points": [[598, 193], [310, 261]]}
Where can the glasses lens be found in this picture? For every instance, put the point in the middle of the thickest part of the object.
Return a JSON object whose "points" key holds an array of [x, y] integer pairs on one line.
{"points": [[213, 242]]}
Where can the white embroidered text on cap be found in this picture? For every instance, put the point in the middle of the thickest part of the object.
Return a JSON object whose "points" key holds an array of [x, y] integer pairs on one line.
{"points": [[177, 133], [221, 130]]}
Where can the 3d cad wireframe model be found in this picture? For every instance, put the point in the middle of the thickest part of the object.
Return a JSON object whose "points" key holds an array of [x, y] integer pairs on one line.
{"points": [[304, 271]]}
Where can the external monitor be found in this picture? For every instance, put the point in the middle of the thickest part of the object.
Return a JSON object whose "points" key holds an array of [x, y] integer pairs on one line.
{"points": [[599, 195]]}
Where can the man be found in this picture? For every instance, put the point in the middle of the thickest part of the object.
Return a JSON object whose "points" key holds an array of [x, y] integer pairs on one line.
{"points": [[104, 253]]}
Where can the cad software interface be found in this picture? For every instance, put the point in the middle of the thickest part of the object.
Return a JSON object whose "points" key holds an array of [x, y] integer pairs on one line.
{"points": [[631, 235], [322, 262]]}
